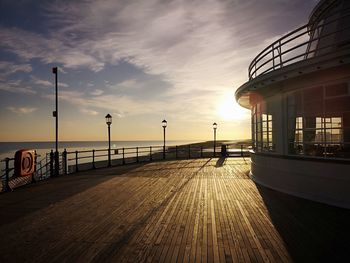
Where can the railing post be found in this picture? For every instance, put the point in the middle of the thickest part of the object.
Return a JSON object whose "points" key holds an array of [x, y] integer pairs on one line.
{"points": [[201, 151], [51, 164], [255, 73], [189, 151], [280, 53], [76, 162], [40, 169], [35, 167], [150, 153], [65, 161], [93, 159], [123, 156], [273, 56], [137, 154], [57, 163], [176, 152], [7, 178], [241, 150]]}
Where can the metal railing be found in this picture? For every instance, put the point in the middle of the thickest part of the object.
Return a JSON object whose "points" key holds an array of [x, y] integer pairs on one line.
{"points": [[298, 46], [44, 169], [75, 161], [92, 159], [7, 174]]}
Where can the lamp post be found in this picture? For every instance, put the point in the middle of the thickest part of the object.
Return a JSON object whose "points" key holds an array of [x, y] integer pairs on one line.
{"points": [[214, 128], [164, 124], [55, 115], [109, 122]]}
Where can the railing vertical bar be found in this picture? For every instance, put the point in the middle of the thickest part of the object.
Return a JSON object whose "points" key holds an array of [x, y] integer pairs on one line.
{"points": [[150, 153], [93, 159], [280, 54], [76, 161], [51, 163], [65, 162], [123, 155], [137, 154], [7, 178], [41, 169], [273, 57]]}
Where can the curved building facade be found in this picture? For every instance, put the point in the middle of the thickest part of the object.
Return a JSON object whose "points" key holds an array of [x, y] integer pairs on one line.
{"points": [[299, 95]]}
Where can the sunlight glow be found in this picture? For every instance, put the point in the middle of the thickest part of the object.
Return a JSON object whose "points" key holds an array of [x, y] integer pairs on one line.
{"points": [[229, 110]]}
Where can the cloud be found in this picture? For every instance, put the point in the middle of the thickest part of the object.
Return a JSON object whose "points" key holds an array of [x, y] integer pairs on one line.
{"points": [[28, 45], [62, 84], [190, 44], [22, 110], [126, 84], [8, 68], [41, 82], [96, 92], [16, 86], [89, 112], [46, 83]]}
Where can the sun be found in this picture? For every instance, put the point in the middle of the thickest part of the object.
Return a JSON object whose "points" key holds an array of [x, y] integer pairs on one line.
{"points": [[229, 110]]}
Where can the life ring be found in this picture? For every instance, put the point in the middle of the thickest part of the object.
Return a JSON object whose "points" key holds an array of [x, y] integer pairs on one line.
{"points": [[24, 162]]}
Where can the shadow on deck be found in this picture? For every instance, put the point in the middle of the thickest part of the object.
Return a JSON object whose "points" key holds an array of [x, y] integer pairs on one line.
{"points": [[312, 232], [30, 198]]}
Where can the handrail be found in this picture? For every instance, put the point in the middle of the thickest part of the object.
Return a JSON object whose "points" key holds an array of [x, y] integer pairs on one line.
{"points": [[68, 163], [265, 61]]}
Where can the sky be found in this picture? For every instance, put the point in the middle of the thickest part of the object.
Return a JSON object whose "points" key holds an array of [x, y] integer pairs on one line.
{"points": [[141, 61]]}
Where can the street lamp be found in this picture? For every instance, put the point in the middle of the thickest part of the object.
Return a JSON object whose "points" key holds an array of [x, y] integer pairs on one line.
{"points": [[214, 128], [164, 124], [55, 115], [109, 122]]}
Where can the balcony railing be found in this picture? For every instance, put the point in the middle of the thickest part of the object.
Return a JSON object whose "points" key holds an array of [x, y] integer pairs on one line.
{"points": [[303, 44]]}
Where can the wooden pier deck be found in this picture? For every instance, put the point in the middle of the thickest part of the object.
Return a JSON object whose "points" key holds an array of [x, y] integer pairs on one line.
{"points": [[200, 210]]}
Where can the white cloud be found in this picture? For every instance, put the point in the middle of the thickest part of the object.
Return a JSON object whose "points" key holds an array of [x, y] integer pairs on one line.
{"points": [[96, 92], [89, 112], [41, 82], [190, 44], [28, 45], [126, 84], [7, 68], [22, 110], [62, 84], [17, 87]]}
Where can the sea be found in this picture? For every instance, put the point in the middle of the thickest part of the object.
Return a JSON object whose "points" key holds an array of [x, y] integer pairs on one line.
{"points": [[8, 149]]}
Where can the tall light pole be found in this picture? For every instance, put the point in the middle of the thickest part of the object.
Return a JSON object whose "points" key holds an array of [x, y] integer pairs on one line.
{"points": [[55, 115], [164, 124], [109, 122], [215, 126]]}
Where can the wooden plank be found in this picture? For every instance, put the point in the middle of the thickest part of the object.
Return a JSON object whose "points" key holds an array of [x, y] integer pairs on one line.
{"points": [[199, 210]]}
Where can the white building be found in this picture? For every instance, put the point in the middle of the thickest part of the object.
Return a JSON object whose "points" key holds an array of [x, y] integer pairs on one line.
{"points": [[299, 95]]}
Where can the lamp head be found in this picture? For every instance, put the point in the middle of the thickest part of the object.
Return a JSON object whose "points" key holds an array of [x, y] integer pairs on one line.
{"points": [[108, 119], [164, 123]]}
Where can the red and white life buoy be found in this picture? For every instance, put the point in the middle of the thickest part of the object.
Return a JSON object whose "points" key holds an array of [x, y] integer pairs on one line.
{"points": [[24, 162]]}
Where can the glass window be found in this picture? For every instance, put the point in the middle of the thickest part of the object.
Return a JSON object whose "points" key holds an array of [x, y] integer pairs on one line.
{"points": [[316, 133], [262, 133]]}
